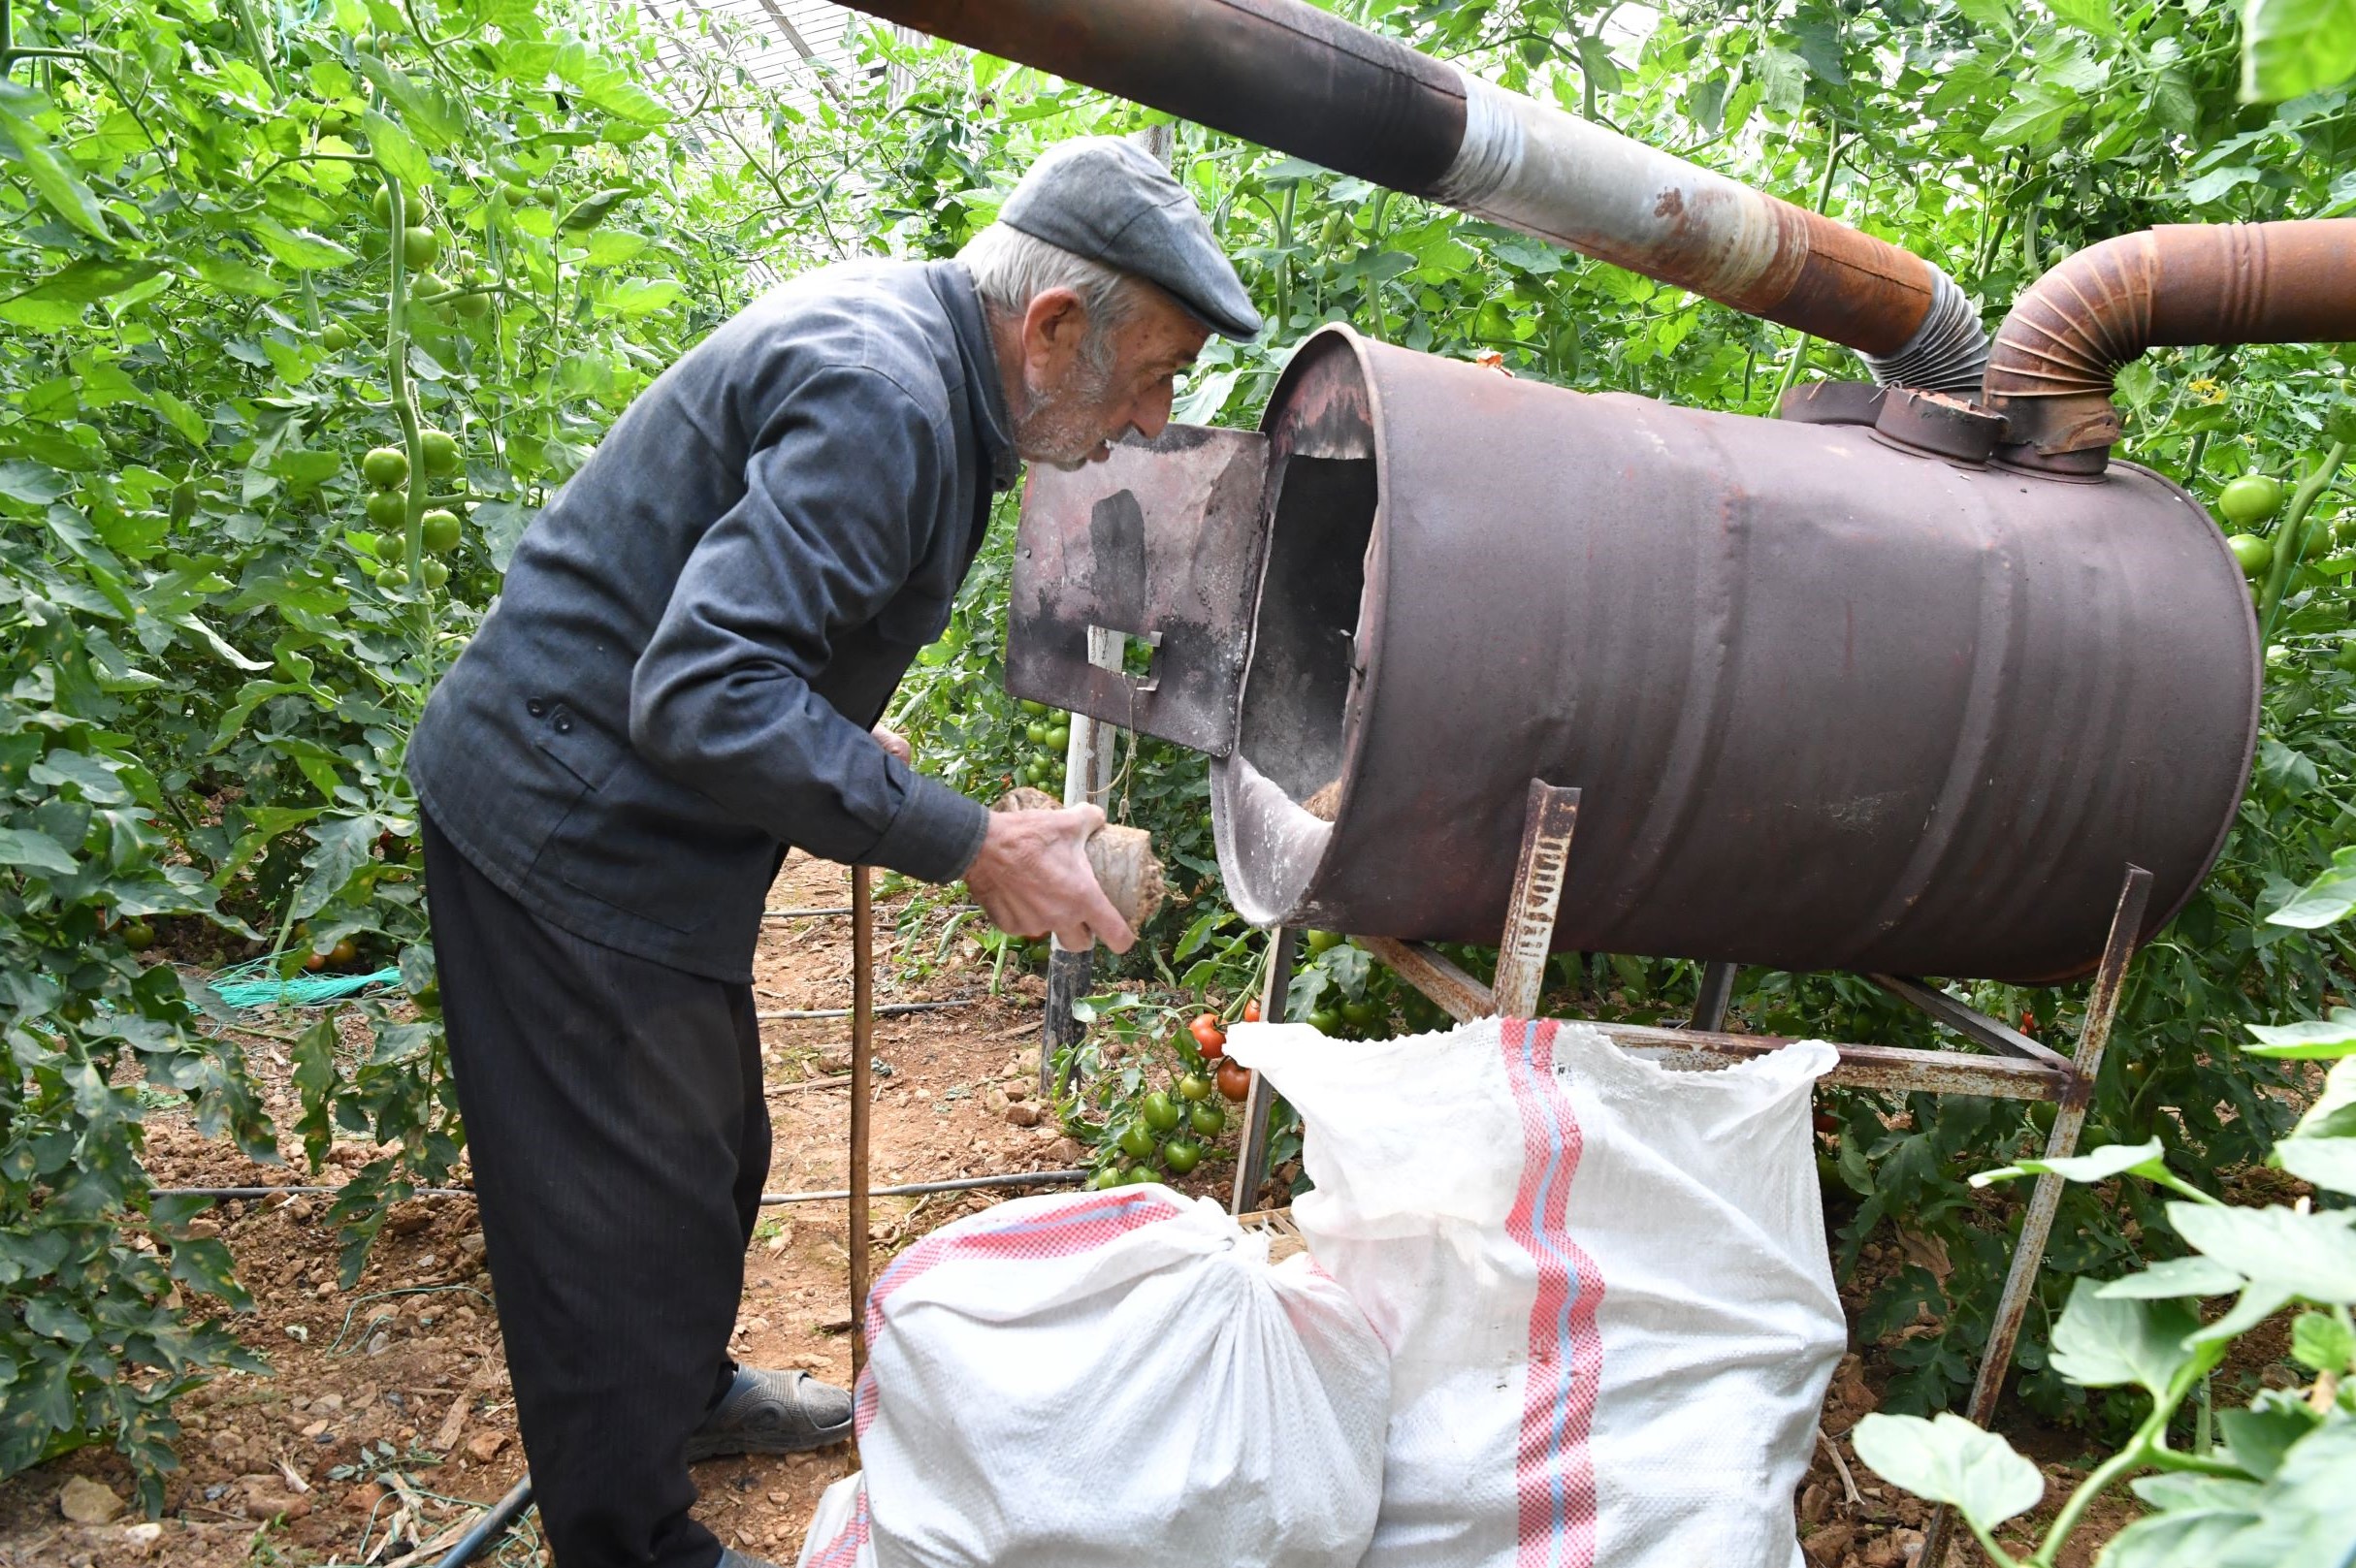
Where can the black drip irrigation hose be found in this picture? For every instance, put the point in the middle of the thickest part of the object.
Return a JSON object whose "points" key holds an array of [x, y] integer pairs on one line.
{"points": [[503, 1513], [890, 1009], [960, 1184]]}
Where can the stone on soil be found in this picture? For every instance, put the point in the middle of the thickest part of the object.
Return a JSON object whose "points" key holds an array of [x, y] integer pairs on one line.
{"points": [[88, 1502]]}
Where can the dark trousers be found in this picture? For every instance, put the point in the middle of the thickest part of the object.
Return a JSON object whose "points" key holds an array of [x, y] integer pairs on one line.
{"points": [[619, 1135]]}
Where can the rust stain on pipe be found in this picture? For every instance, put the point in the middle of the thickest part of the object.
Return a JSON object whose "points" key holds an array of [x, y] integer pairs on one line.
{"points": [[2063, 343]]}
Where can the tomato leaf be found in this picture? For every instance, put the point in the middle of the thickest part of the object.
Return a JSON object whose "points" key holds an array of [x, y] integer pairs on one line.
{"points": [[298, 248], [394, 151], [2101, 1341], [2327, 899], [2194, 1276], [2295, 46], [31, 849], [1949, 1461], [2094, 15], [2315, 1038], [2145, 1160], [2309, 1255], [48, 172]]}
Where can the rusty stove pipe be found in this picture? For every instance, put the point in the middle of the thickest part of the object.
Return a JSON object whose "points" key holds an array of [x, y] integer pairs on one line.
{"points": [[1291, 77], [2066, 338]]}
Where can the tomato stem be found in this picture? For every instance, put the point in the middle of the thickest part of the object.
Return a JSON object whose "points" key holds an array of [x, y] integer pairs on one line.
{"points": [[2290, 539]]}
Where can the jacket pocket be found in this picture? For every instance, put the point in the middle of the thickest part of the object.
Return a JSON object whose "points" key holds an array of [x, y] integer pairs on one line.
{"points": [[582, 750]]}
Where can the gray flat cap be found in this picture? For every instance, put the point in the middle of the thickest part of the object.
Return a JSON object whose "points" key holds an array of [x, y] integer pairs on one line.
{"points": [[1110, 201]]}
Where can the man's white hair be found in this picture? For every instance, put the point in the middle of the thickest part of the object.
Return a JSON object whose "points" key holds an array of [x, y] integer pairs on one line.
{"points": [[1011, 269]]}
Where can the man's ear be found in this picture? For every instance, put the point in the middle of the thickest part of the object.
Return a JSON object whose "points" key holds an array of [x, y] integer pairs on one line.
{"points": [[1052, 325]]}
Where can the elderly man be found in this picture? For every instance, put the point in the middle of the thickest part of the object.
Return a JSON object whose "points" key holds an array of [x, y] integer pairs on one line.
{"points": [[679, 682]]}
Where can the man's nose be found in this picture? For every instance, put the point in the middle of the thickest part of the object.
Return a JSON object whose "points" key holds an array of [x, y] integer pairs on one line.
{"points": [[1150, 415]]}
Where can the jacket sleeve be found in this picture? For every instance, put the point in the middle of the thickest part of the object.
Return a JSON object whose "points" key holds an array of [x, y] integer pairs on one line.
{"points": [[840, 493]]}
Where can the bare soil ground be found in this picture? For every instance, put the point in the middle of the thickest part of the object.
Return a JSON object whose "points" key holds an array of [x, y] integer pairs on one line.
{"points": [[387, 1419]]}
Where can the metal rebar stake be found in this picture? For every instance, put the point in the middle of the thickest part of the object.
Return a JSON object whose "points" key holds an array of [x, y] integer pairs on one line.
{"points": [[862, 1097], [2037, 1224], [1251, 1145], [1087, 781]]}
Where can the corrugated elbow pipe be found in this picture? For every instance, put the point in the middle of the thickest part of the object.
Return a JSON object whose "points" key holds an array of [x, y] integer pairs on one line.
{"points": [[2061, 346], [1288, 76]]}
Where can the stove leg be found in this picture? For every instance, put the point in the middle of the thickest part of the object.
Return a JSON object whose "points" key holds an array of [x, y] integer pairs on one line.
{"points": [[1717, 991], [2037, 1224]]}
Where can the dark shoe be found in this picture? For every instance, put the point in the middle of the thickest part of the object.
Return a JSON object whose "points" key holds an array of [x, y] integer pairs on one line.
{"points": [[773, 1413]]}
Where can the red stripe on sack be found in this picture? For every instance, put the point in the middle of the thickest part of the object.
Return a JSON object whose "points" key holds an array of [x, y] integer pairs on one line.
{"points": [[1082, 1226], [843, 1552], [1554, 1472]]}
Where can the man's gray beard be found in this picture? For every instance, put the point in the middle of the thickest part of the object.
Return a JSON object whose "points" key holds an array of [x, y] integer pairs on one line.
{"points": [[1062, 426]]}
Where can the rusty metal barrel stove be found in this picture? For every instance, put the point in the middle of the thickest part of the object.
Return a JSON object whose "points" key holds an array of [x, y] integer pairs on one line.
{"points": [[1834, 699]]}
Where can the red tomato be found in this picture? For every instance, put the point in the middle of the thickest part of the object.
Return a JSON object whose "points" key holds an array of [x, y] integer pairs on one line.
{"points": [[1252, 1012], [1208, 1037], [1235, 1080]]}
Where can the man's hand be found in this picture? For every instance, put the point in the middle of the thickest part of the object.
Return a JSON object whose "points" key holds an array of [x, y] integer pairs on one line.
{"points": [[892, 741], [1032, 876]]}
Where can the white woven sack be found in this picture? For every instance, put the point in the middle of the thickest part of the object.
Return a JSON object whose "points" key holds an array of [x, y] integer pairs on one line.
{"points": [[840, 1531], [1112, 1379], [1603, 1285]]}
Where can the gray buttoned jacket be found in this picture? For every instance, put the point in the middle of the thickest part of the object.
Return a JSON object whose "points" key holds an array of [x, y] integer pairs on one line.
{"points": [[698, 632]]}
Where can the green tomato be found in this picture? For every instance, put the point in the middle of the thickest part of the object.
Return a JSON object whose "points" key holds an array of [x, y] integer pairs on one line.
{"points": [[138, 936], [1209, 1119], [381, 204], [2251, 498], [1161, 1112], [1036, 732], [392, 579], [2345, 658], [1030, 707], [388, 508], [1361, 1012], [442, 452], [1325, 1020], [1135, 1141], [1138, 1176], [420, 245], [1108, 1176], [1181, 1155], [385, 467], [473, 306], [433, 572], [1059, 736], [335, 336], [1194, 1086], [440, 529], [2254, 554], [1322, 942]]}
